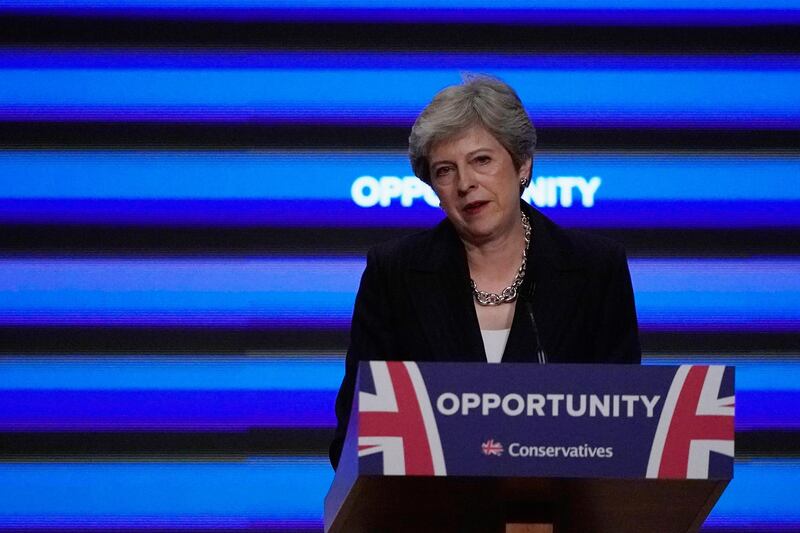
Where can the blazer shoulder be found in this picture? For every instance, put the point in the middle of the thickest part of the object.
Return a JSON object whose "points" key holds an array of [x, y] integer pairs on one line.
{"points": [[571, 249], [596, 253], [592, 244], [418, 250]]}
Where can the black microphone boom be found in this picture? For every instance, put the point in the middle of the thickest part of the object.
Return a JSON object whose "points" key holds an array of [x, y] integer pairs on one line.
{"points": [[528, 297]]}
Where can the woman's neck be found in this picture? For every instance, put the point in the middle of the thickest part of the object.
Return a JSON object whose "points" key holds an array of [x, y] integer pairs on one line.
{"points": [[494, 262]]}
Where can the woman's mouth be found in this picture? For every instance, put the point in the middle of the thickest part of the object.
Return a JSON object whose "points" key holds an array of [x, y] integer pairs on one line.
{"points": [[473, 208]]}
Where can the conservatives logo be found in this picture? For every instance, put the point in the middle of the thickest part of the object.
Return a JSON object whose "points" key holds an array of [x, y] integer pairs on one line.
{"points": [[490, 447]]}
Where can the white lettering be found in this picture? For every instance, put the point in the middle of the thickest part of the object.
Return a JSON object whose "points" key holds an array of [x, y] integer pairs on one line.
{"points": [[515, 449], [571, 411], [412, 189], [507, 404], [535, 403], [365, 191], [565, 185], [588, 190], [454, 404], [469, 400], [549, 191], [544, 191], [391, 187], [596, 406], [555, 398], [430, 196], [552, 194], [650, 404], [368, 191], [536, 192], [547, 405], [490, 401], [629, 401]]}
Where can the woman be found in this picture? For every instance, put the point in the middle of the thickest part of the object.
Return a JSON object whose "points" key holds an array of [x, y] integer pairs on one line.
{"points": [[496, 280]]}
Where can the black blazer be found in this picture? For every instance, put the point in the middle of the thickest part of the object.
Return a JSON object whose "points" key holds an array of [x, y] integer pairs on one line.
{"points": [[415, 303]]}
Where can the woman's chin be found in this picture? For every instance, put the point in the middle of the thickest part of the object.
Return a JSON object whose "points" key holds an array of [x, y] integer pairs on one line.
{"points": [[483, 228], [479, 232]]}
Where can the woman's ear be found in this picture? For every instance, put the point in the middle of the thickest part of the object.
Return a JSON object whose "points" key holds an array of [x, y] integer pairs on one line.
{"points": [[525, 169]]}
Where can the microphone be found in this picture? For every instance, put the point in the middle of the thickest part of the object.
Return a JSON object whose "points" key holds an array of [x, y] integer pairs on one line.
{"points": [[527, 296]]}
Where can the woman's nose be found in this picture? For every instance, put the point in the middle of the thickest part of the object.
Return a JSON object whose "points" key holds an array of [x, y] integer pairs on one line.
{"points": [[466, 180]]}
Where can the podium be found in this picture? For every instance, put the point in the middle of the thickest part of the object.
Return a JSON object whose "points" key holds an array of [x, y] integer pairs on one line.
{"points": [[533, 448]]}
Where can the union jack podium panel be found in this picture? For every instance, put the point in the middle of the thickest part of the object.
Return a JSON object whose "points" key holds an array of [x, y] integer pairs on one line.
{"points": [[603, 448], [470, 419]]}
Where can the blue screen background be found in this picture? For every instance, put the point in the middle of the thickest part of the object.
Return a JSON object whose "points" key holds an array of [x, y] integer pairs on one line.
{"points": [[183, 225]]}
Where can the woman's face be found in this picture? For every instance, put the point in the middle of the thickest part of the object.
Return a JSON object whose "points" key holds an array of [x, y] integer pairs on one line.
{"points": [[477, 184]]}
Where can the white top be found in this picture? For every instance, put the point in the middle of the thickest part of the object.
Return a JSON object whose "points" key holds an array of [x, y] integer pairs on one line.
{"points": [[494, 342]]}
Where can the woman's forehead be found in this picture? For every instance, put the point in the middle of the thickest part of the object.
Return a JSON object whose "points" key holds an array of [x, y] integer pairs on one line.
{"points": [[469, 139]]}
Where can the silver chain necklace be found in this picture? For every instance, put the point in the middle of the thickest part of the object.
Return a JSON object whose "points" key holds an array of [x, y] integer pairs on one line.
{"points": [[509, 294]]}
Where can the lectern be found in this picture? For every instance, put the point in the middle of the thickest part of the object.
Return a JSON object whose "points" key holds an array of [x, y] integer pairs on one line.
{"points": [[516, 447]]}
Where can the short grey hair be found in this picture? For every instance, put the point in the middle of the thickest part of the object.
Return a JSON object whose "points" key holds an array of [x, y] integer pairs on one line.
{"points": [[479, 99]]}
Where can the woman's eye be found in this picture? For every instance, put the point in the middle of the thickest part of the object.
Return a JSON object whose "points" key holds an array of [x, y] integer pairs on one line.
{"points": [[483, 159], [442, 171]]}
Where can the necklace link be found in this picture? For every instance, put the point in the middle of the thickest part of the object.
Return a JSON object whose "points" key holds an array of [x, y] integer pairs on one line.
{"points": [[508, 294]]}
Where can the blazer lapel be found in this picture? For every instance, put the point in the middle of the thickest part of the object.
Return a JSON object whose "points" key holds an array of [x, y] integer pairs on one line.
{"points": [[555, 302], [441, 295], [559, 280]]}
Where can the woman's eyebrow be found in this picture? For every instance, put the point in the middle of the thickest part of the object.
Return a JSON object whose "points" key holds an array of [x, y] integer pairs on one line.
{"points": [[477, 150], [441, 162]]}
